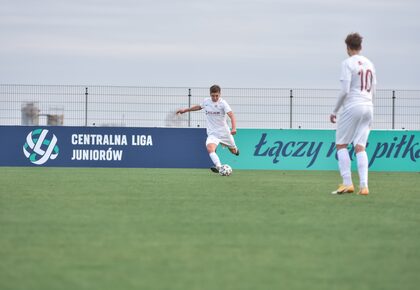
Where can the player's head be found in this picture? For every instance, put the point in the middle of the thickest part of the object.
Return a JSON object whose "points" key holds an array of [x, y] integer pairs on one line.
{"points": [[354, 43], [215, 92]]}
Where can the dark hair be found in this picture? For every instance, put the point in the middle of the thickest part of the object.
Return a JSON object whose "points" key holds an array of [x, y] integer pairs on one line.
{"points": [[215, 89], [354, 41]]}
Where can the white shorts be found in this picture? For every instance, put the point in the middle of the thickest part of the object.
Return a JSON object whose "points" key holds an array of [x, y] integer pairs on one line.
{"points": [[353, 125], [224, 140]]}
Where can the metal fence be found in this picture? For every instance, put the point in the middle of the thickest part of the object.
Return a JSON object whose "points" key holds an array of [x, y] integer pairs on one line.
{"points": [[156, 106]]}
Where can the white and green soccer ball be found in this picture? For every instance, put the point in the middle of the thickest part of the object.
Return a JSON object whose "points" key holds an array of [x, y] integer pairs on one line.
{"points": [[225, 170]]}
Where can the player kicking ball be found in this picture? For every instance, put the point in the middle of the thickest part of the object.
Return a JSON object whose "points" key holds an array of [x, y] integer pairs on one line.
{"points": [[218, 131]]}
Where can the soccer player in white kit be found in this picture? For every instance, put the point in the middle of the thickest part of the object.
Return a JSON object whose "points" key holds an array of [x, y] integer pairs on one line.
{"points": [[218, 131], [358, 84]]}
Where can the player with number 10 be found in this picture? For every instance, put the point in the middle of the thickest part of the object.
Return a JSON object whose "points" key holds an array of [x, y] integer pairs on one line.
{"points": [[358, 86]]}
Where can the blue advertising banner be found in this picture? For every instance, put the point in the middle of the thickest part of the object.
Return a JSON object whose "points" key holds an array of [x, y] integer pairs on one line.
{"points": [[103, 147], [185, 148]]}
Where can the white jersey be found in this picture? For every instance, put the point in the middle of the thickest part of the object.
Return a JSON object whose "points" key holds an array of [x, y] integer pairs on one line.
{"points": [[361, 74], [216, 116]]}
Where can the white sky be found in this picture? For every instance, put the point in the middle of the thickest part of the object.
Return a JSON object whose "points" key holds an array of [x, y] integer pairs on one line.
{"points": [[235, 43]]}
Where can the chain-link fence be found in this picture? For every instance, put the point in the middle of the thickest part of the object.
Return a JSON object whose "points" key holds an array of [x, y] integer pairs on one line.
{"points": [[156, 106]]}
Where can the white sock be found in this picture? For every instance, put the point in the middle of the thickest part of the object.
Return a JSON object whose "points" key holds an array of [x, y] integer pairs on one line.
{"points": [[362, 167], [344, 164], [215, 159]]}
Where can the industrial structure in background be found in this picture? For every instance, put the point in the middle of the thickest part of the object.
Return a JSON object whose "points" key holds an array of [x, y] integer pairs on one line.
{"points": [[31, 115]]}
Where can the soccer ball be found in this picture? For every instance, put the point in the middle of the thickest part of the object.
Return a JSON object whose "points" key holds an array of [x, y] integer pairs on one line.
{"points": [[225, 170]]}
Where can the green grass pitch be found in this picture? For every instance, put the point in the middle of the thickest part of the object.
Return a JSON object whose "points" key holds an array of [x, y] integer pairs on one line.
{"points": [[191, 229]]}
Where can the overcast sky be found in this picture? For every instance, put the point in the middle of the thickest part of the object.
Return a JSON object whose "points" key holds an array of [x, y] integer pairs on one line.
{"points": [[235, 43]]}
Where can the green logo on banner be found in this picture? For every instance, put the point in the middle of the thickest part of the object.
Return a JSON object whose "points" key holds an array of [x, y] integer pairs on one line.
{"points": [[38, 148]]}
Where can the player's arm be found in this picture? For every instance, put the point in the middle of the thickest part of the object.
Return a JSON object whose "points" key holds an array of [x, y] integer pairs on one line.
{"points": [[233, 122], [374, 86], [345, 89], [190, 109]]}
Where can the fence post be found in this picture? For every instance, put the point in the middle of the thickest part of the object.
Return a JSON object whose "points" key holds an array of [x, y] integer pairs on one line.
{"points": [[393, 110], [189, 105], [86, 105], [291, 108]]}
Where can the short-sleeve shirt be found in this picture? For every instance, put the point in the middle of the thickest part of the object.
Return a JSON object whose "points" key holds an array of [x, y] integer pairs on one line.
{"points": [[216, 116], [361, 73]]}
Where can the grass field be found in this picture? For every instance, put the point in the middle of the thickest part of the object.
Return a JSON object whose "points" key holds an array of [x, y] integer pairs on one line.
{"points": [[191, 229]]}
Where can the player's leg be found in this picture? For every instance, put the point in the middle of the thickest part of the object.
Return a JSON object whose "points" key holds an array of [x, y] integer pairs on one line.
{"points": [[344, 135], [344, 165], [360, 141], [229, 141], [211, 144], [234, 150], [362, 168]]}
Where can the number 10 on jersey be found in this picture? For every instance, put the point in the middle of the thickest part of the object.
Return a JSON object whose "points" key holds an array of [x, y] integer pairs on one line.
{"points": [[366, 79]]}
